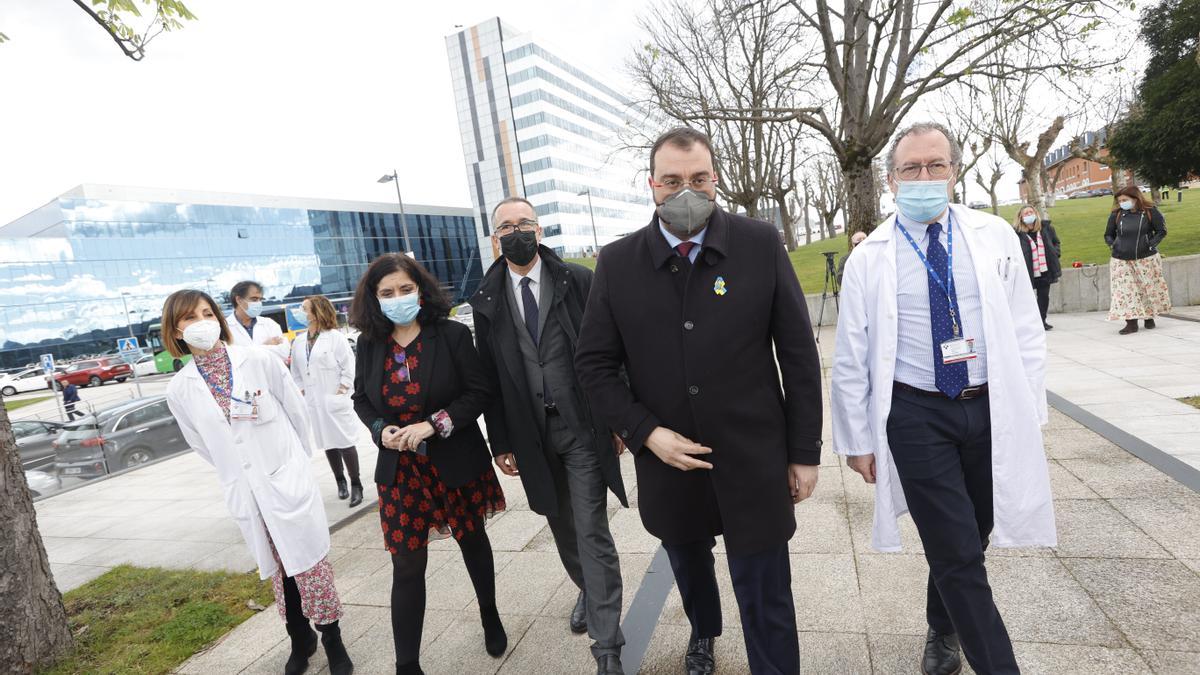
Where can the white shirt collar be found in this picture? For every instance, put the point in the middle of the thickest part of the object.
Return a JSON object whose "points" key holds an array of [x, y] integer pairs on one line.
{"points": [[918, 230], [535, 275], [673, 241]]}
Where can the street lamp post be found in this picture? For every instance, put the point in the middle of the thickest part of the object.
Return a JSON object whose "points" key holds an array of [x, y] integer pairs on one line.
{"points": [[133, 366], [592, 215], [393, 177]]}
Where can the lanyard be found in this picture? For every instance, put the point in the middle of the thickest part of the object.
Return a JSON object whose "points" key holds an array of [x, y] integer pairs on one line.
{"points": [[946, 286], [221, 390]]}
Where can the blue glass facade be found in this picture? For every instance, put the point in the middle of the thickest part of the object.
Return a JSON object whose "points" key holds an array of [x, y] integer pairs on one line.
{"points": [[77, 273]]}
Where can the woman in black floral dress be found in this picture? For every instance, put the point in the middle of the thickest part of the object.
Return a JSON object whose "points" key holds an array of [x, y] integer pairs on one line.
{"points": [[419, 387]]}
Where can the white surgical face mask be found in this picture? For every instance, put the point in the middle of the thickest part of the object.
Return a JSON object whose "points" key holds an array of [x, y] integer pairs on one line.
{"points": [[1128, 206], [202, 334], [1029, 219], [253, 309]]}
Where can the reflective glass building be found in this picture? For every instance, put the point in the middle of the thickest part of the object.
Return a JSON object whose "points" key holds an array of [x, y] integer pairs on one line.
{"points": [[82, 270], [534, 124]]}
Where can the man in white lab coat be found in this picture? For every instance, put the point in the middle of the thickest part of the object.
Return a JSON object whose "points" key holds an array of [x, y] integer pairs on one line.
{"points": [[246, 328], [938, 394]]}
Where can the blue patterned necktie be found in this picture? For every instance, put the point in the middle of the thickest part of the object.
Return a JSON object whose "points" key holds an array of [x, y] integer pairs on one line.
{"points": [[951, 378]]}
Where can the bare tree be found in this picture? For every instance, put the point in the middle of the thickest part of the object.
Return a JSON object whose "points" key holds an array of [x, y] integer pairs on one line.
{"points": [[995, 170], [33, 622], [828, 194]]}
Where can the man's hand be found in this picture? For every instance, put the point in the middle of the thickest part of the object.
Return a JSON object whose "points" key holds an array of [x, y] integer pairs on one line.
{"points": [[863, 464], [390, 437], [275, 341], [802, 479], [618, 445], [675, 450], [507, 463]]}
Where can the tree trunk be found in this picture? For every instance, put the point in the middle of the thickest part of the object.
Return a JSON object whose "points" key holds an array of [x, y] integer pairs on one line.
{"points": [[807, 222], [33, 622], [1032, 173], [786, 221], [862, 207]]}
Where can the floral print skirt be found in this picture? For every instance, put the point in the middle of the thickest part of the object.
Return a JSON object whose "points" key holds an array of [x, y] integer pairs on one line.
{"points": [[1139, 290], [319, 600], [419, 506]]}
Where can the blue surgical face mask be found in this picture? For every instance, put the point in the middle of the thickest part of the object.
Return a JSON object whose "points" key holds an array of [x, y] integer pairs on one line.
{"points": [[253, 309], [922, 200], [300, 316], [401, 310], [1128, 206]]}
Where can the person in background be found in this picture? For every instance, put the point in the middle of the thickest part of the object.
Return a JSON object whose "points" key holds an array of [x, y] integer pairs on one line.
{"points": [[1042, 250], [323, 366], [1139, 291], [70, 398], [527, 315], [420, 387], [244, 325], [855, 240], [240, 411]]}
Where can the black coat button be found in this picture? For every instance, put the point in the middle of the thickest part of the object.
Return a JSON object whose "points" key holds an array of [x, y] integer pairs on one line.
{"points": [[674, 268], [693, 390], [688, 325], [624, 433]]}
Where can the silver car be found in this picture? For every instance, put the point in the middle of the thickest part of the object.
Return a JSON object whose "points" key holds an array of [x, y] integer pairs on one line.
{"points": [[35, 442], [120, 437]]}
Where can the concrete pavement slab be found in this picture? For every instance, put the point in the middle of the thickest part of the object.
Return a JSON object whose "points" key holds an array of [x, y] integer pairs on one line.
{"points": [[1154, 603]]}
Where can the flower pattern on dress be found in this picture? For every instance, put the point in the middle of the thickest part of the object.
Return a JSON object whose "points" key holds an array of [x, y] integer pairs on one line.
{"points": [[217, 372], [319, 600], [1139, 290], [419, 506]]}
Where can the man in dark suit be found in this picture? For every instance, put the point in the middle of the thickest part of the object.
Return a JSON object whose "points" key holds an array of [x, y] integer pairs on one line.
{"points": [[527, 315], [703, 310]]}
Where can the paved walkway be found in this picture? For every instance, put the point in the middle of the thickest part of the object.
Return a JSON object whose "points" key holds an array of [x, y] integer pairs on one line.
{"points": [[1120, 594]]}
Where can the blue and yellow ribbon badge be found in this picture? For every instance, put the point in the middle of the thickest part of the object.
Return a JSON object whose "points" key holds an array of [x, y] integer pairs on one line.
{"points": [[719, 287]]}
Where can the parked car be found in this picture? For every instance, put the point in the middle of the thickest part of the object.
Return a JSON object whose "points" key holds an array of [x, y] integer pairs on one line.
{"points": [[94, 373], [35, 442], [42, 483], [465, 315], [122, 436], [1100, 192], [31, 379], [978, 205], [145, 366], [1080, 194]]}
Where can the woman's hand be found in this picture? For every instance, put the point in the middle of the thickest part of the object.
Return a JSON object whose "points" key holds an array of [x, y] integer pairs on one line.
{"points": [[412, 435], [390, 437]]}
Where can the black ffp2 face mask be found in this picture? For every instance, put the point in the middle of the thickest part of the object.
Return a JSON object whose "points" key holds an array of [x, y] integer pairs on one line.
{"points": [[519, 247]]}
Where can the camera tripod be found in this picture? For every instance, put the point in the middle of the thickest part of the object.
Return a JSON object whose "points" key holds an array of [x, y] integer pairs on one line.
{"points": [[831, 282]]}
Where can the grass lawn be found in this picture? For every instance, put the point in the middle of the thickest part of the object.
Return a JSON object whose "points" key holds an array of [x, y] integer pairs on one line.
{"points": [[16, 405], [1079, 223], [138, 620], [1193, 401]]}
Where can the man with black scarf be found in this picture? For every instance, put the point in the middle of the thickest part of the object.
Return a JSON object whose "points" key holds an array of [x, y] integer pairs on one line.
{"points": [[527, 315]]}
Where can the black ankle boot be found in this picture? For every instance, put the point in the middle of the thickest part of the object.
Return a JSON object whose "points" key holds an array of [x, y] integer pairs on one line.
{"points": [[335, 649], [1130, 327], [1149, 323], [495, 640], [343, 488], [304, 645], [413, 668], [356, 495]]}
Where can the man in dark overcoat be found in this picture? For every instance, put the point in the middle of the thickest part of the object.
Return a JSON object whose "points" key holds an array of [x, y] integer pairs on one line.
{"points": [[703, 310], [527, 315]]}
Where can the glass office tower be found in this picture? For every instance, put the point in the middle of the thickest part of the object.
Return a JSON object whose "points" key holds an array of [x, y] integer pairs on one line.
{"points": [[99, 260], [535, 125]]}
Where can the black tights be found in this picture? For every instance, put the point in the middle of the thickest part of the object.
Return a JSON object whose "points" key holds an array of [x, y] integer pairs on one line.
{"points": [[408, 590], [350, 455]]}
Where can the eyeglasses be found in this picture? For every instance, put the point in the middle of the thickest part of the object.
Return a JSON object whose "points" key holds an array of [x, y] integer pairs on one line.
{"points": [[936, 170], [674, 184], [522, 226]]}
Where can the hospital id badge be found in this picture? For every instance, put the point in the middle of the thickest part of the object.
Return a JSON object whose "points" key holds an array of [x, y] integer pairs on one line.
{"points": [[958, 350], [244, 410]]}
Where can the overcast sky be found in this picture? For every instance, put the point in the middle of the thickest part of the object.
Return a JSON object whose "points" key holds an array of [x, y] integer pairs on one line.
{"points": [[277, 97]]}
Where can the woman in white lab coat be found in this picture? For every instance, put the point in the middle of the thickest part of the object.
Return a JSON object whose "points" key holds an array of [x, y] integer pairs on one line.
{"points": [[323, 366], [239, 410]]}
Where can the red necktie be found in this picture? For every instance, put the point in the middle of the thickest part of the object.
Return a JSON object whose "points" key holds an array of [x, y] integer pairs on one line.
{"points": [[684, 249]]}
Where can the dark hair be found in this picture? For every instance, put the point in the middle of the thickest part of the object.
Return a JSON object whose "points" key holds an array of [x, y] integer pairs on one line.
{"points": [[1139, 200], [513, 200], [323, 315], [242, 288], [180, 303], [365, 314], [682, 138]]}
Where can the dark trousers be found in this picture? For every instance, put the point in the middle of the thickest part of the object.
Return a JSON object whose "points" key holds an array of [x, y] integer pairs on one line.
{"points": [[943, 454], [71, 412], [762, 584], [1042, 287]]}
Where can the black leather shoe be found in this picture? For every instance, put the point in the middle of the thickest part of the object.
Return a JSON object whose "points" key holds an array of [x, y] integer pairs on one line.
{"points": [[699, 659], [355, 496], [1046, 326], [609, 664], [941, 654], [1130, 327], [343, 489], [413, 668], [495, 640], [335, 649], [1150, 323], [579, 614], [304, 645]]}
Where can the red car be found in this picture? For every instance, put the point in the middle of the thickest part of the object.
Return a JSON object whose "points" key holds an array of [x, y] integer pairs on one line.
{"points": [[94, 372]]}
